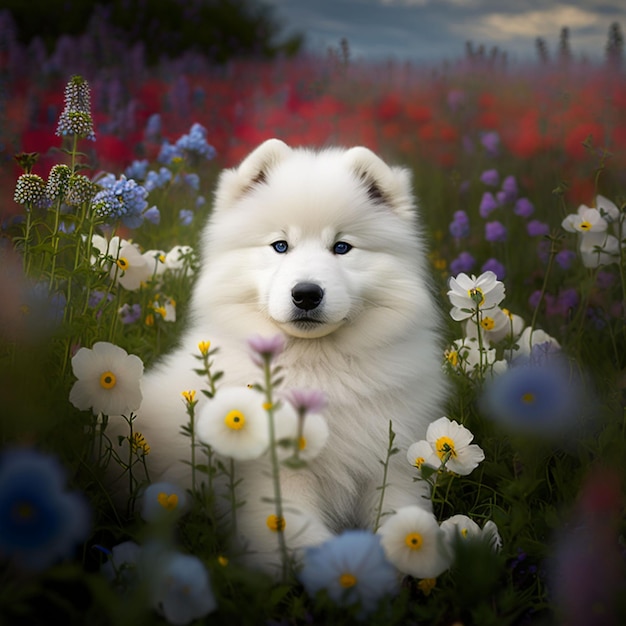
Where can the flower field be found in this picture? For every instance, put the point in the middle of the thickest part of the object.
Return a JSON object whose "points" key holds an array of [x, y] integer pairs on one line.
{"points": [[106, 176]]}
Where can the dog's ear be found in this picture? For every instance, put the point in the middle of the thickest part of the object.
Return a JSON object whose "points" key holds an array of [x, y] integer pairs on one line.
{"points": [[390, 186], [253, 170]]}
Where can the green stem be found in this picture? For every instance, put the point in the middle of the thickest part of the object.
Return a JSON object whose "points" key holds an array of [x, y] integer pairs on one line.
{"points": [[544, 287], [390, 451]]}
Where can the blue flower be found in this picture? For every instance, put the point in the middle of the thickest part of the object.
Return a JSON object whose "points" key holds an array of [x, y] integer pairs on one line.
{"points": [[181, 588], [535, 395], [195, 143], [185, 217], [121, 199], [169, 152], [137, 170], [157, 180], [40, 522], [352, 568]]}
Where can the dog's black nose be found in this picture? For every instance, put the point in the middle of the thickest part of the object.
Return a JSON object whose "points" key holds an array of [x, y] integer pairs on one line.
{"points": [[307, 296]]}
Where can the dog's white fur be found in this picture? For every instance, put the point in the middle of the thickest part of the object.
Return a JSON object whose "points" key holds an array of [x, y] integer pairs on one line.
{"points": [[375, 353]]}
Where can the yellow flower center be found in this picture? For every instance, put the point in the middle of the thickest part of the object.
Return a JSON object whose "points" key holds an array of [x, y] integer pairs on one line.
{"points": [[347, 580], [235, 420], [275, 523], [168, 502], [464, 533], [584, 225], [487, 323], [108, 380], [123, 263], [476, 294], [445, 448], [160, 310], [528, 397], [419, 461], [414, 541], [301, 443]]}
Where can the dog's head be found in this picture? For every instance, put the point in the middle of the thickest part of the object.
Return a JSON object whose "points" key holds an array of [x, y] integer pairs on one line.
{"points": [[312, 241]]}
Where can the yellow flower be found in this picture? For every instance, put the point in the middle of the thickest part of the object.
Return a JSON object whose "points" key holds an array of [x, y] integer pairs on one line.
{"points": [[138, 443], [189, 396], [204, 347], [275, 523], [426, 585]]}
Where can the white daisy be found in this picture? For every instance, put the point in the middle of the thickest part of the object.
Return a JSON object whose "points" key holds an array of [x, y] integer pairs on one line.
{"points": [[466, 293], [234, 423], [414, 543], [452, 444], [585, 220], [109, 380]]}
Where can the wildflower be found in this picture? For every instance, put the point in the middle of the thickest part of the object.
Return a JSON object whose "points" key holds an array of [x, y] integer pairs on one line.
{"points": [[462, 528], [152, 215], [157, 180], [490, 177], [30, 190], [185, 217], [494, 326], [306, 400], [586, 220], [204, 347], [137, 170], [58, 181], [459, 227], [266, 347], [530, 338], [121, 566], [181, 588], [466, 356], [40, 521], [309, 437], [420, 453], [153, 127], [523, 207], [535, 228], [130, 313], [121, 199], [491, 141], [161, 499], [108, 380], [607, 209], [234, 424], [495, 231], [565, 258], [195, 143], [79, 190], [127, 265], [509, 189], [468, 293], [597, 249], [351, 568], [451, 443], [530, 397], [166, 308], [493, 265], [465, 262], [179, 258], [76, 116], [487, 204], [414, 543], [138, 444]]}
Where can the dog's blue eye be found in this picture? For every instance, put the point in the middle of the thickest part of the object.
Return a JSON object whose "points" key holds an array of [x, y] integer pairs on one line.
{"points": [[341, 247], [280, 246]]}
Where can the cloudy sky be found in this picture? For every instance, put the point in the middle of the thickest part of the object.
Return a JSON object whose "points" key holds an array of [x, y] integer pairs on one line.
{"points": [[438, 29]]}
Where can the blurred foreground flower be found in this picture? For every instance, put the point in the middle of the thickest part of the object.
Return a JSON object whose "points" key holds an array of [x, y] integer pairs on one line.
{"points": [[265, 347], [414, 543], [352, 568], [163, 499], [40, 521], [109, 380]]}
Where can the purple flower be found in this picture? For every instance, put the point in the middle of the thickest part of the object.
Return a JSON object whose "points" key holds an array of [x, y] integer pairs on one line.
{"points": [[456, 98], [487, 204], [509, 187], [462, 264], [568, 299], [459, 227], [535, 228], [185, 216], [491, 141], [524, 207], [495, 231], [130, 313], [490, 177], [306, 400], [153, 127], [265, 347], [493, 265], [565, 258], [534, 298]]}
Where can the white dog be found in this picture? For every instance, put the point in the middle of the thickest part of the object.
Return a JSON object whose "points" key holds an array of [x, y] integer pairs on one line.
{"points": [[326, 248]]}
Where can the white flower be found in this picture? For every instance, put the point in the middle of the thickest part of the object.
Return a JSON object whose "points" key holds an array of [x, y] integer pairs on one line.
{"points": [[608, 210], [109, 380], [165, 307], [421, 453], [464, 355], [178, 258], [586, 220], [312, 440], [156, 263], [234, 423], [452, 444], [495, 325], [466, 293], [126, 265], [414, 543], [461, 528], [530, 338], [598, 249]]}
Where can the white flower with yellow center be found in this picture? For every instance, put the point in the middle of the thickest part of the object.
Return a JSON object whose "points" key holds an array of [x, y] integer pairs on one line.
{"points": [[585, 220], [467, 356], [234, 423], [125, 263], [165, 308], [109, 380], [421, 453], [414, 543], [451, 443], [495, 325], [461, 528], [469, 293], [156, 263], [310, 441]]}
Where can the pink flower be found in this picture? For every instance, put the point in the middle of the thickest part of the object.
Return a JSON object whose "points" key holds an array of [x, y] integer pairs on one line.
{"points": [[265, 347], [306, 400]]}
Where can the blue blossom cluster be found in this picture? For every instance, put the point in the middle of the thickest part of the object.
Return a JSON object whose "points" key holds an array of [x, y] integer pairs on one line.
{"points": [[121, 199], [194, 144]]}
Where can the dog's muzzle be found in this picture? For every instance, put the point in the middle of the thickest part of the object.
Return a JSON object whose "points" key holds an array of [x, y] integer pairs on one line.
{"points": [[307, 296]]}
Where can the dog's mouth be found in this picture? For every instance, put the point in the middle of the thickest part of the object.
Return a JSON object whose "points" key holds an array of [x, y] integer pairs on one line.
{"points": [[305, 322]]}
